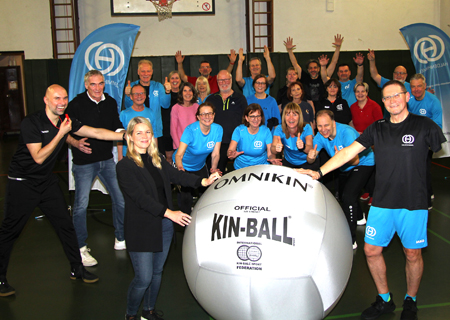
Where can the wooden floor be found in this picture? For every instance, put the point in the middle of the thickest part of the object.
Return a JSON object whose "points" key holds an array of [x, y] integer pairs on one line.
{"points": [[39, 270]]}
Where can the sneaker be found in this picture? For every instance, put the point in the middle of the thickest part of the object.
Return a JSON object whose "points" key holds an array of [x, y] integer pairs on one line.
{"points": [[362, 221], [355, 245], [80, 273], [432, 197], [152, 315], [409, 309], [128, 317], [6, 289], [378, 308], [370, 201], [365, 196], [429, 208], [86, 258], [118, 245]]}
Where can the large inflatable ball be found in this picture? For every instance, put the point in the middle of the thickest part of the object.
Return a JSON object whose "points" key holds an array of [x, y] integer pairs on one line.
{"points": [[267, 243]]}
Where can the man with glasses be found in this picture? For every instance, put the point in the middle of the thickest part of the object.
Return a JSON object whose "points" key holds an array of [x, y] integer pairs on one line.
{"points": [[246, 83], [400, 73], [230, 107], [138, 109], [400, 197], [205, 70]]}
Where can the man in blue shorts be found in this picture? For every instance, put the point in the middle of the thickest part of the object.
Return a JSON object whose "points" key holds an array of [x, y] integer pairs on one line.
{"points": [[400, 197]]}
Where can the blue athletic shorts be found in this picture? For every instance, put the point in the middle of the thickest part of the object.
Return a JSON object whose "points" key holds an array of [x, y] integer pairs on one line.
{"points": [[410, 225]]}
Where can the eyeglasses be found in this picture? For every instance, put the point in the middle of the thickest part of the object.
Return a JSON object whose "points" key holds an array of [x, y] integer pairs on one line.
{"points": [[223, 80], [394, 96], [261, 83], [138, 94], [206, 114], [254, 117]]}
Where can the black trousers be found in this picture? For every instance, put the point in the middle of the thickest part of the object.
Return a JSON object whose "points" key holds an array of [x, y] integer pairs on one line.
{"points": [[350, 185], [21, 198]]}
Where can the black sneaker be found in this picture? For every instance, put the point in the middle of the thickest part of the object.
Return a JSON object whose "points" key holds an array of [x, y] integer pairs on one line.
{"points": [[378, 308], [6, 289], [81, 273], [152, 314], [409, 309], [128, 317]]}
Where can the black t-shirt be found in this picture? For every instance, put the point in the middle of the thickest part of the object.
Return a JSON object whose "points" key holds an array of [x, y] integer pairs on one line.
{"points": [[102, 115], [342, 113], [37, 128], [314, 88], [401, 160], [229, 112]]}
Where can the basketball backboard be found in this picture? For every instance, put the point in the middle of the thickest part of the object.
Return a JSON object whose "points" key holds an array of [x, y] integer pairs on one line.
{"points": [[145, 7]]}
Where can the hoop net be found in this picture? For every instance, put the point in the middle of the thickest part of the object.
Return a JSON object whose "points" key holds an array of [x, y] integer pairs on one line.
{"points": [[164, 8]]}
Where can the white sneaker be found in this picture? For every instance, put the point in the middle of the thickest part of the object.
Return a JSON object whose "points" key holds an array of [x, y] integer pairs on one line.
{"points": [[86, 258], [362, 221], [355, 245], [119, 245]]}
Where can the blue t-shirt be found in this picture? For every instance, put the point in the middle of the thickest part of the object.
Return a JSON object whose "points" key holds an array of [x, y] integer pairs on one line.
{"points": [[384, 80], [253, 145], [345, 136], [128, 114], [248, 90], [200, 101], [269, 106], [347, 91], [429, 106], [291, 152], [199, 146]]}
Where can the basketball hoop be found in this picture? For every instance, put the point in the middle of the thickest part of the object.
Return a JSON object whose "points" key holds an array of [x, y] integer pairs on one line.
{"points": [[164, 8]]}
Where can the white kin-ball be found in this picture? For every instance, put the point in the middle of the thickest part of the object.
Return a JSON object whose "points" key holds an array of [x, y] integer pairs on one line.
{"points": [[267, 243]]}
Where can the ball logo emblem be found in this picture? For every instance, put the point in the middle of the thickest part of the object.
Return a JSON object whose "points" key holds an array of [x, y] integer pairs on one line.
{"points": [[258, 144], [408, 139], [252, 253], [422, 52], [115, 63], [371, 232]]}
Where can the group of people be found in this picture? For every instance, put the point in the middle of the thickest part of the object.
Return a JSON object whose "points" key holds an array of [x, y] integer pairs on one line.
{"points": [[185, 132]]}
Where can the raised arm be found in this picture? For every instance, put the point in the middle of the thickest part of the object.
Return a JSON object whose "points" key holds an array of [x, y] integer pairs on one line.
{"points": [[239, 79], [180, 59], [290, 49], [270, 67], [373, 68], [323, 60], [232, 56], [334, 60], [39, 153], [359, 60]]}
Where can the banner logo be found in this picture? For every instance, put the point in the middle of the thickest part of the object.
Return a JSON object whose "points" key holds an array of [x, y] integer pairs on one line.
{"points": [[111, 59], [424, 56]]}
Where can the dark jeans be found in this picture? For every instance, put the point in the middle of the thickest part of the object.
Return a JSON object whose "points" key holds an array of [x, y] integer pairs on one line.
{"points": [[21, 198], [148, 268]]}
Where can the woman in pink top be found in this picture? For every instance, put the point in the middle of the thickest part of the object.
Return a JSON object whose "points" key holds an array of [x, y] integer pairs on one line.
{"points": [[183, 113]]}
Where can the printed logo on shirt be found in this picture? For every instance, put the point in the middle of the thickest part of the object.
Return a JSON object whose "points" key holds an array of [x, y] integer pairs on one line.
{"points": [[45, 131], [232, 102], [423, 111], [347, 86], [258, 144], [420, 241], [210, 144], [339, 107], [155, 93], [408, 140]]}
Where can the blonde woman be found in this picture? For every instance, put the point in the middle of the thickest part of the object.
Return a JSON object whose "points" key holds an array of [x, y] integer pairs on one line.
{"points": [[203, 89], [145, 178]]}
